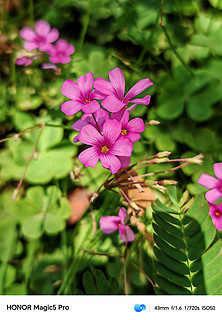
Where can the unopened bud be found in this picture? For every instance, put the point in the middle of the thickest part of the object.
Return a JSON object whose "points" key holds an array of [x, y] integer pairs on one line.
{"points": [[16, 137], [134, 206], [160, 160], [168, 182], [163, 154], [152, 123], [15, 194], [35, 155], [94, 196], [158, 187], [196, 160]]}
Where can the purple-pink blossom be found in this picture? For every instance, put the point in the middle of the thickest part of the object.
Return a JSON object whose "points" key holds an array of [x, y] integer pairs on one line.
{"points": [[216, 213], [60, 52], [106, 147], [113, 91], [82, 98], [109, 224], [39, 38], [130, 129], [97, 121], [23, 61], [212, 183]]}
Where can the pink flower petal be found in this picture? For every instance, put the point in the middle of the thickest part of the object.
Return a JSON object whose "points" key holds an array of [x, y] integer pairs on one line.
{"points": [[213, 195], [27, 34], [85, 84], [122, 147], [145, 101], [139, 87], [122, 214], [126, 234], [118, 82], [136, 125], [118, 115], [62, 45], [71, 90], [217, 220], [79, 124], [208, 181], [54, 59], [70, 50], [90, 136], [70, 107], [89, 157], [133, 136], [29, 46], [91, 107], [218, 170], [111, 130], [76, 139], [45, 47], [42, 28], [112, 103], [109, 224], [49, 66], [111, 162], [125, 161], [53, 35], [104, 87], [65, 60]]}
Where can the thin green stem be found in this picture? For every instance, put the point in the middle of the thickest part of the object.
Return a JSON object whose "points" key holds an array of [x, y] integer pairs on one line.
{"points": [[85, 25]]}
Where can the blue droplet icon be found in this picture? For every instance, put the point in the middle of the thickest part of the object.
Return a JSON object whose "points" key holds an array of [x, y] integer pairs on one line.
{"points": [[139, 307]]}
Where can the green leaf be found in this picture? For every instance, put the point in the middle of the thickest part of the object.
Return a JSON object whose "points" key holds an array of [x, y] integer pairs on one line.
{"points": [[186, 261], [102, 285], [89, 284], [171, 108]]}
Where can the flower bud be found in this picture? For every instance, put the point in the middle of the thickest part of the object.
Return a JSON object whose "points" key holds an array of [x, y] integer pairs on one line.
{"points": [[35, 155], [152, 123], [16, 137], [196, 160], [160, 160], [15, 194], [163, 154]]}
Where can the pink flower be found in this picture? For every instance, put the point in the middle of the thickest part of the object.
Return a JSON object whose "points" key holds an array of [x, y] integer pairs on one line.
{"points": [[109, 224], [49, 66], [80, 93], [60, 52], [113, 91], [130, 129], [39, 38], [212, 183], [100, 117], [106, 147], [216, 213], [23, 61]]}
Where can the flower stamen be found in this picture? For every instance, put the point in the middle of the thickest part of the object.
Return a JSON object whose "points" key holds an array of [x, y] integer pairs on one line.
{"points": [[217, 213], [104, 149], [124, 132]]}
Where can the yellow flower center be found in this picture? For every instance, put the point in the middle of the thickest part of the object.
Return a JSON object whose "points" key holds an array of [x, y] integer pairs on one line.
{"points": [[217, 213], [104, 149], [87, 101], [124, 132]]}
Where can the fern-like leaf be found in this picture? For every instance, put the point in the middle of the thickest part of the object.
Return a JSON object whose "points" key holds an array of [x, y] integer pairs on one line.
{"points": [[188, 258]]}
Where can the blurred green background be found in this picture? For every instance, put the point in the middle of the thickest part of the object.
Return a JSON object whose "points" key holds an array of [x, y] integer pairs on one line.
{"points": [[39, 252]]}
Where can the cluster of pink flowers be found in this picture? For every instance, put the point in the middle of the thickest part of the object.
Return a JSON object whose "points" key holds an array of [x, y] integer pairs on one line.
{"points": [[40, 39], [214, 194], [108, 130], [105, 127]]}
